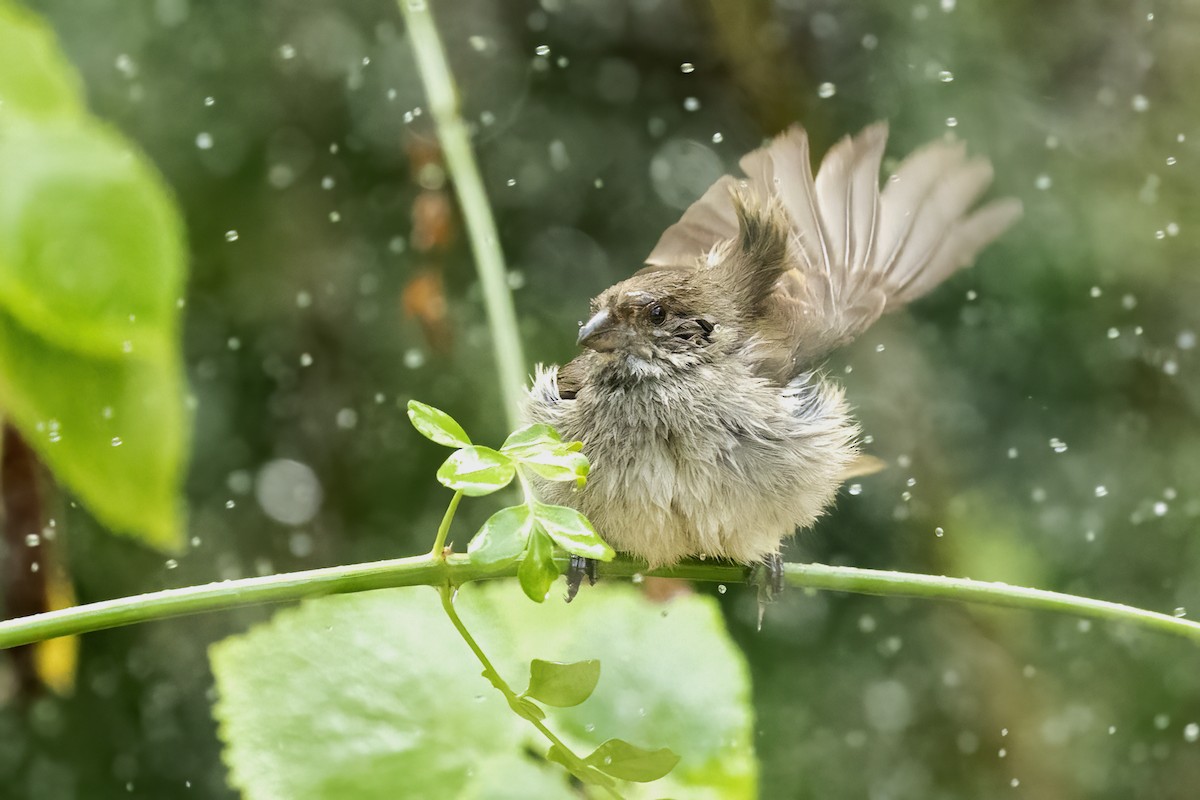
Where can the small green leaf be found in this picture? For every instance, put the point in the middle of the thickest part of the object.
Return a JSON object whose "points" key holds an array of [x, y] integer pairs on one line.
{"points": [[571, 531], [632, 763], [476, 471], [502, 538], [436, 425], [586, 774], [525, 708], [539, 570], [532, 436], [560, 464], [562, 685]]}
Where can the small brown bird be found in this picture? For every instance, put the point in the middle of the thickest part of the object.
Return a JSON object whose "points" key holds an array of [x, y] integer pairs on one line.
{"points": [[710, 430]]}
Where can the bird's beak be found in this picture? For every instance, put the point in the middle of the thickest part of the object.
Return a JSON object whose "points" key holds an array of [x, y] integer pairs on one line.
{"points": [[600, 333]]}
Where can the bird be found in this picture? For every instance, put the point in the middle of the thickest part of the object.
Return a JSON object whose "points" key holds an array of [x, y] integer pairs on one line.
{"points": [[699, 395]]}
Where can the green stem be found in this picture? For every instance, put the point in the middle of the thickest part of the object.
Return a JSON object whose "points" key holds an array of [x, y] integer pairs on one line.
{"points": [[493, 676], [481, 227], [426, 570], [439, 541]]}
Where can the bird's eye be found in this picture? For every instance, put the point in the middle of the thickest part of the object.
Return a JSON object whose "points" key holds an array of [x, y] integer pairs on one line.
{"points": [[657, 314]]}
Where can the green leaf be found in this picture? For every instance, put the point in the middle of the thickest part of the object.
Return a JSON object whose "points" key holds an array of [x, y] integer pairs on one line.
{"points": [[533, 436], [476, 471], [92, 266], [538, 570], [527, 709], [632, 763], [374, 696], [436, 425], [559, 465], [35, 78], [562, 685], [571, 531], [502, 537], [587, 774]]}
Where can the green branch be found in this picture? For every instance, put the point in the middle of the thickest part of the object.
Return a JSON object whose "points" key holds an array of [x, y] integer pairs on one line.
{"points": [[481, 227], [427, 570]]}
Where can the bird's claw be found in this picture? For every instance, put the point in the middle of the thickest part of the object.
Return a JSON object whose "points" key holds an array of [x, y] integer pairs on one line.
{"points": [[767, 575], [579, 568]]}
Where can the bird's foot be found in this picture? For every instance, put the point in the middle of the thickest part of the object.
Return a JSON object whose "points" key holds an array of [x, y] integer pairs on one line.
{"points": [[767, 575], [580, 568]]}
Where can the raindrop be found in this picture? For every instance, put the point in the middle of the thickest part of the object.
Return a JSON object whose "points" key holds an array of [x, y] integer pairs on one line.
{"points": [[1139, 103], [287, 52], [1095, 291], [1003, 752], [717, 138], [1113, 333], [1170, 367], [1058, 445], [288, 491], [691, 104], [1160, 509], [1179, 612], [542, 50], [945, 76], [1186, 340], [948, 5], [687, 68], [210, 101], [721, 588], [32, 540], [306, 360], [334, 216], [1015, 782], [303, 299], [951, 122], [855, 488], [204, 140], [478, 43], [826, 90], [1013, 452], [171, 563], [511, 182], [116, 441], [231, 236], [1171, 161], [1161, 721], [939, 532], [413, 358], [1043, 182], [1128, 302], [1172, 229], [347, 418], [234, 343], [328, 182], [230, 504], [1191, 732], [1101, 491], [879, 348], [870, 41]]}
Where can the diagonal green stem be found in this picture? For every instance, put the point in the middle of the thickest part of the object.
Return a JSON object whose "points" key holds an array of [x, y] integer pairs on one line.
{"points": [[439, 541], [426, 570], [493, 677], [481, 226]]}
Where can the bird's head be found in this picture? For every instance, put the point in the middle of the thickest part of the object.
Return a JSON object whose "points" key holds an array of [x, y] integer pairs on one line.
{"points": [[678, 317]]}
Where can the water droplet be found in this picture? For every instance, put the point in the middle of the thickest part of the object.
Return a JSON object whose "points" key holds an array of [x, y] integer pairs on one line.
{"points": [[1058, 445], [1043, 182], [721, 588], [209, 102], [855, 488], [413, 358], [826, 90], [303, 299], [335, 216], [1160, 509], [204, 140], [718, 138], [1128, 302], [691, 104], [687, 68], [478, 43], [1161, 721], [1170, 367], [347, 418], [32, 540], [1171, 161], [230, 504], [1172, 229], [1140, 103], [287, 52], [1113, 333], [542, 50], [1013, 452], [879, 348], [1101, 491], [234, 343], [939, 532], [116, 441], [231, 236], [1186, 340], [1003, 752], [288, 491], [1191, 732], [171, 563], [1095, 291], [951, 122], [945, 76], [306, 359], [1180, 612], [1015, 782], [511, 182]]}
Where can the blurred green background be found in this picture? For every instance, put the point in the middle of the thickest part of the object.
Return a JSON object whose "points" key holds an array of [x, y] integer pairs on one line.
{"points": [[1038, 412]]}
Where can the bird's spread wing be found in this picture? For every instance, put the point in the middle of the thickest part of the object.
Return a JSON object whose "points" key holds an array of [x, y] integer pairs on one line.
{"points": [[857, 251]]}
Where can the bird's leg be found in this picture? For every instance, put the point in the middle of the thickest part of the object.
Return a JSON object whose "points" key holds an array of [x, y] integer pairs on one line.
{"points": [[579, 568], [767, 575]]}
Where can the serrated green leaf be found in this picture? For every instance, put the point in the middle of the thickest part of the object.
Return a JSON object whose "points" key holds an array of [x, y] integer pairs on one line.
{"points": [[562, 685], [572, 531], [629, 762], [531, 436], [476, 471], [527, 709], [502, 537], [538, 570], [35, 78], [436, 425]]}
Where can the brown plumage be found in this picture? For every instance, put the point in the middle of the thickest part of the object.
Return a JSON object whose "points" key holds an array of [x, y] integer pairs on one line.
{"points": [[697, 400]]}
